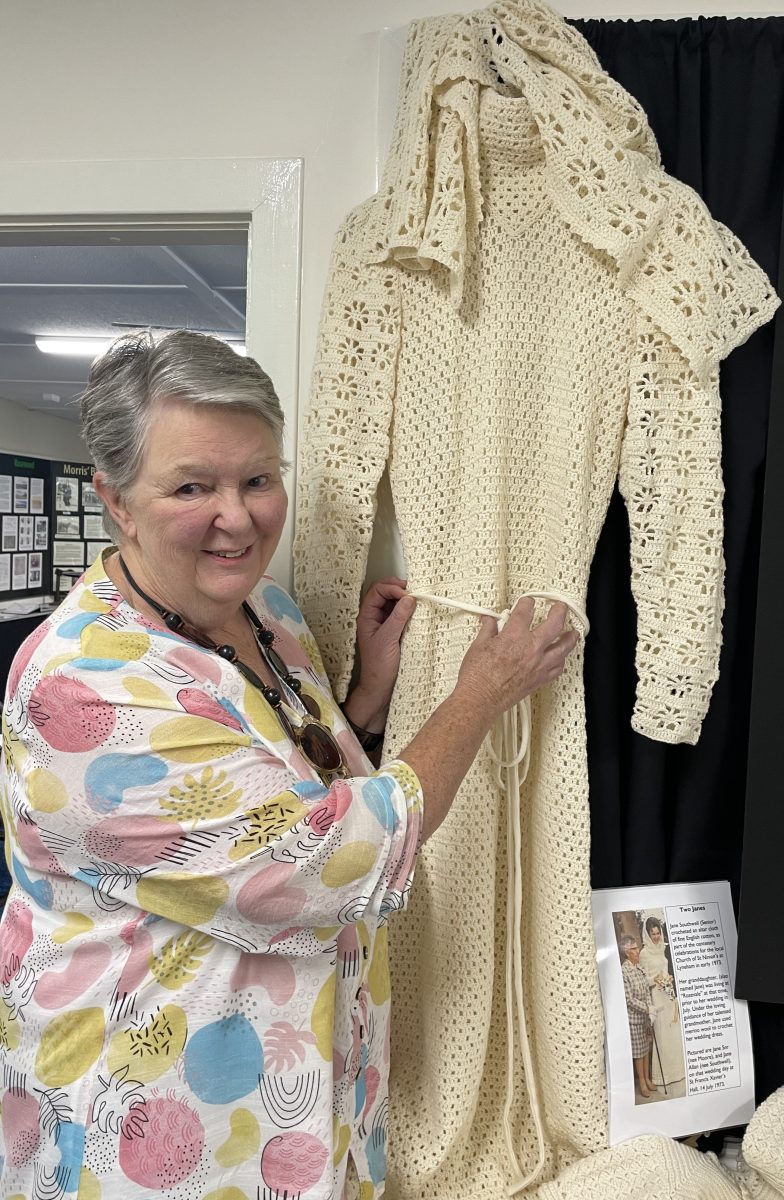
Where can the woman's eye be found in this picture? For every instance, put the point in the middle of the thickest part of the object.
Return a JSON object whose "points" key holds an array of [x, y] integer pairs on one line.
{"points": [[188, 489], [258, 481]]}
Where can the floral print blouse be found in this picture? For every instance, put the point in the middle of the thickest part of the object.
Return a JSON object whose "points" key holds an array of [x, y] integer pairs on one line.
{"points": [[194, 999]]}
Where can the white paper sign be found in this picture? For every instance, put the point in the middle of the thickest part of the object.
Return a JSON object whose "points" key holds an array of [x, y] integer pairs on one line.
{"points": [[66, 527], [6, 494], [36, 495], [5, 572], [66, 494], [41, 532], [678, 1044], [10, 532], [34, 570], [26, 533], [18, 572], [68, 554], [21, 493], [93, 527], [91, 501]]}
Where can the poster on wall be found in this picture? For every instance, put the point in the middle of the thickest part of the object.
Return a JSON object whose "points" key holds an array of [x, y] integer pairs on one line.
{"points": [[77, 509], [678, 1043], [24, 502]]}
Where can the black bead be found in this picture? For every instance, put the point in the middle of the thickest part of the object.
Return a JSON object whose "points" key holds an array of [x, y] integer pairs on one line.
{"points": [[227, 652], [294, 684], [173, 621], [272, 696], [266, 637]]}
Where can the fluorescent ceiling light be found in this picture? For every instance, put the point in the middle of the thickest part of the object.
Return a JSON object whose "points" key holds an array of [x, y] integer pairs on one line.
{"points": [[87, 347], [80, 347]]}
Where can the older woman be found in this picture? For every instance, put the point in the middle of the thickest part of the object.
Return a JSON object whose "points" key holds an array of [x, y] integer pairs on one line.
{"points": [[195, 994], [638, 1011]]}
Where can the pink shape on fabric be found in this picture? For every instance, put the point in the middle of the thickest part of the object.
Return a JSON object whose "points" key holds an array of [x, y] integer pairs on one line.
{"points": [[58, 989], [20, 1127], [69, 715], [265, 899], [270, 971], [198, 704], [131, 841], [23, 656], [171, 1145], [293, 1162], [39, 856], [195, 662], [16, 937]]}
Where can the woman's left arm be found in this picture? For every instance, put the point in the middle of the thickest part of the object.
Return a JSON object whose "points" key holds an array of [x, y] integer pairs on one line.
{"points": [[383, 616]]}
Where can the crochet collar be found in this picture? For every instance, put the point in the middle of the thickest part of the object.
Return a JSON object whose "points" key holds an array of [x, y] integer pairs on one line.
{"points": [[603, 176]]}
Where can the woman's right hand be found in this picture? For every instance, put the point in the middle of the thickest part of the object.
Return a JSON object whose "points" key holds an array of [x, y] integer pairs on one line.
{"points": [[499, 669]]}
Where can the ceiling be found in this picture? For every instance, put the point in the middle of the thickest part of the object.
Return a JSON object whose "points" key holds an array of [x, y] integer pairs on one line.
{"points": [[103, 285]]}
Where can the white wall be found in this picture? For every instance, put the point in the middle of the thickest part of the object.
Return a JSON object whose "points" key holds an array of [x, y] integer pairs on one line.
{"points": [[32, 433], [166, 79]]}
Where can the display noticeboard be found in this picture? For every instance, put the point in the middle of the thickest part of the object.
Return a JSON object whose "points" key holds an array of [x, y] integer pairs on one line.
{"points": [[25, 526], [78, 535]]}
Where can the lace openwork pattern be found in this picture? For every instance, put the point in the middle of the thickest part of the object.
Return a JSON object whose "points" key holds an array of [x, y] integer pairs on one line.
{"points": [[529, 309]]}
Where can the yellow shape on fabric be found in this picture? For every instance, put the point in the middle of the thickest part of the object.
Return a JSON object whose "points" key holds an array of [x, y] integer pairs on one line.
{"points": [[378, 975], [150, 1051], [261, 715], [322, 1019], [366, 1190], [90, 603], [341, 1141], [89, 1187], [262, 826], [308, 644], [187, 899], [242, 1142], [96, 569], [326, 934], [348, 864], [45, 791], [148, 694], [97, 641], [69, 1046], [227, 1193], [59, 660], [75, 923], [9, 1029], [200, 799], [180, 958], [195, 740]]}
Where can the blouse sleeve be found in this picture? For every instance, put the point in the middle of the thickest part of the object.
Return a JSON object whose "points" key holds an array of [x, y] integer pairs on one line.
{"points": [[670, 477], [190, 817]]}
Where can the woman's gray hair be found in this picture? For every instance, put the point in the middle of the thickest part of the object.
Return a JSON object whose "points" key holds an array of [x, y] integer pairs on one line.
{"points": [[627, 941], [139, 370]]}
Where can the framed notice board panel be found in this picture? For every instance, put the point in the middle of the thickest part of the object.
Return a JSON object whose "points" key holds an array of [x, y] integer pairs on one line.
{"points": [[78, 534], [25, 526]]}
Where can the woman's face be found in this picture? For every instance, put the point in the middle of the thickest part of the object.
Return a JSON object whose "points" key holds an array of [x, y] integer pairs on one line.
{"points": [[633, 954], [205, 513], [655, 934]]}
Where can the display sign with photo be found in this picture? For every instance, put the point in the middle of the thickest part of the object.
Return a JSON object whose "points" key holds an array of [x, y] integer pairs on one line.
{"points": [[679, 1057], [78, 534]]}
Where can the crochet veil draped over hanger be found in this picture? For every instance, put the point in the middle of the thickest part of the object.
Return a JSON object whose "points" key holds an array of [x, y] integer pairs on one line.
{"points": [[529, 308]]}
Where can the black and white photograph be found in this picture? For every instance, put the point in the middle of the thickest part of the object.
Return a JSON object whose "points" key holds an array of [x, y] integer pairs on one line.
{"points": [[26, 532], [34, 569], [66, 494], [90, 499], [18, 572], [67, 527], [41, 537], [36, 495]]}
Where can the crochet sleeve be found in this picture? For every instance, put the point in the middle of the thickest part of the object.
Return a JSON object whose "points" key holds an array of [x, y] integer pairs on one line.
{"points": [[670, 477], [345, 446]]}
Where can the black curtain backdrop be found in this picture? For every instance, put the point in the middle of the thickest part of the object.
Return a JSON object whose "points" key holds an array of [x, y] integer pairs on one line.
{"points": [[713, 89]]}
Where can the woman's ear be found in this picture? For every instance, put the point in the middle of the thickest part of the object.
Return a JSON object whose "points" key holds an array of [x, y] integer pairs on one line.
{"points": [[114, 505]]}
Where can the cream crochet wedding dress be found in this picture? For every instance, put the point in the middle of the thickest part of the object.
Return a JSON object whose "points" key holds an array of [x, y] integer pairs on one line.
{"points": [[528, 308]]}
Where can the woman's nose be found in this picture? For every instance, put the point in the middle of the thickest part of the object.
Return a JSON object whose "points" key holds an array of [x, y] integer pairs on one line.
{"points": [[233, 514]]}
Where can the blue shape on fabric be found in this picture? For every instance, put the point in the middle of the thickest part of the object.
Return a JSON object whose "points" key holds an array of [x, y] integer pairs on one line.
{"points": [[280, 604], [231, 1042], [307, 788], [377, 1155], [98, 664], [39, 889], [70, 1143], [110, 775], [73, 627], [377, 794]]}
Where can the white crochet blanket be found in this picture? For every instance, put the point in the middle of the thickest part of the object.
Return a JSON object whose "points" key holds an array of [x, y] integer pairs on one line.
{"points": [[528, 308]]}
